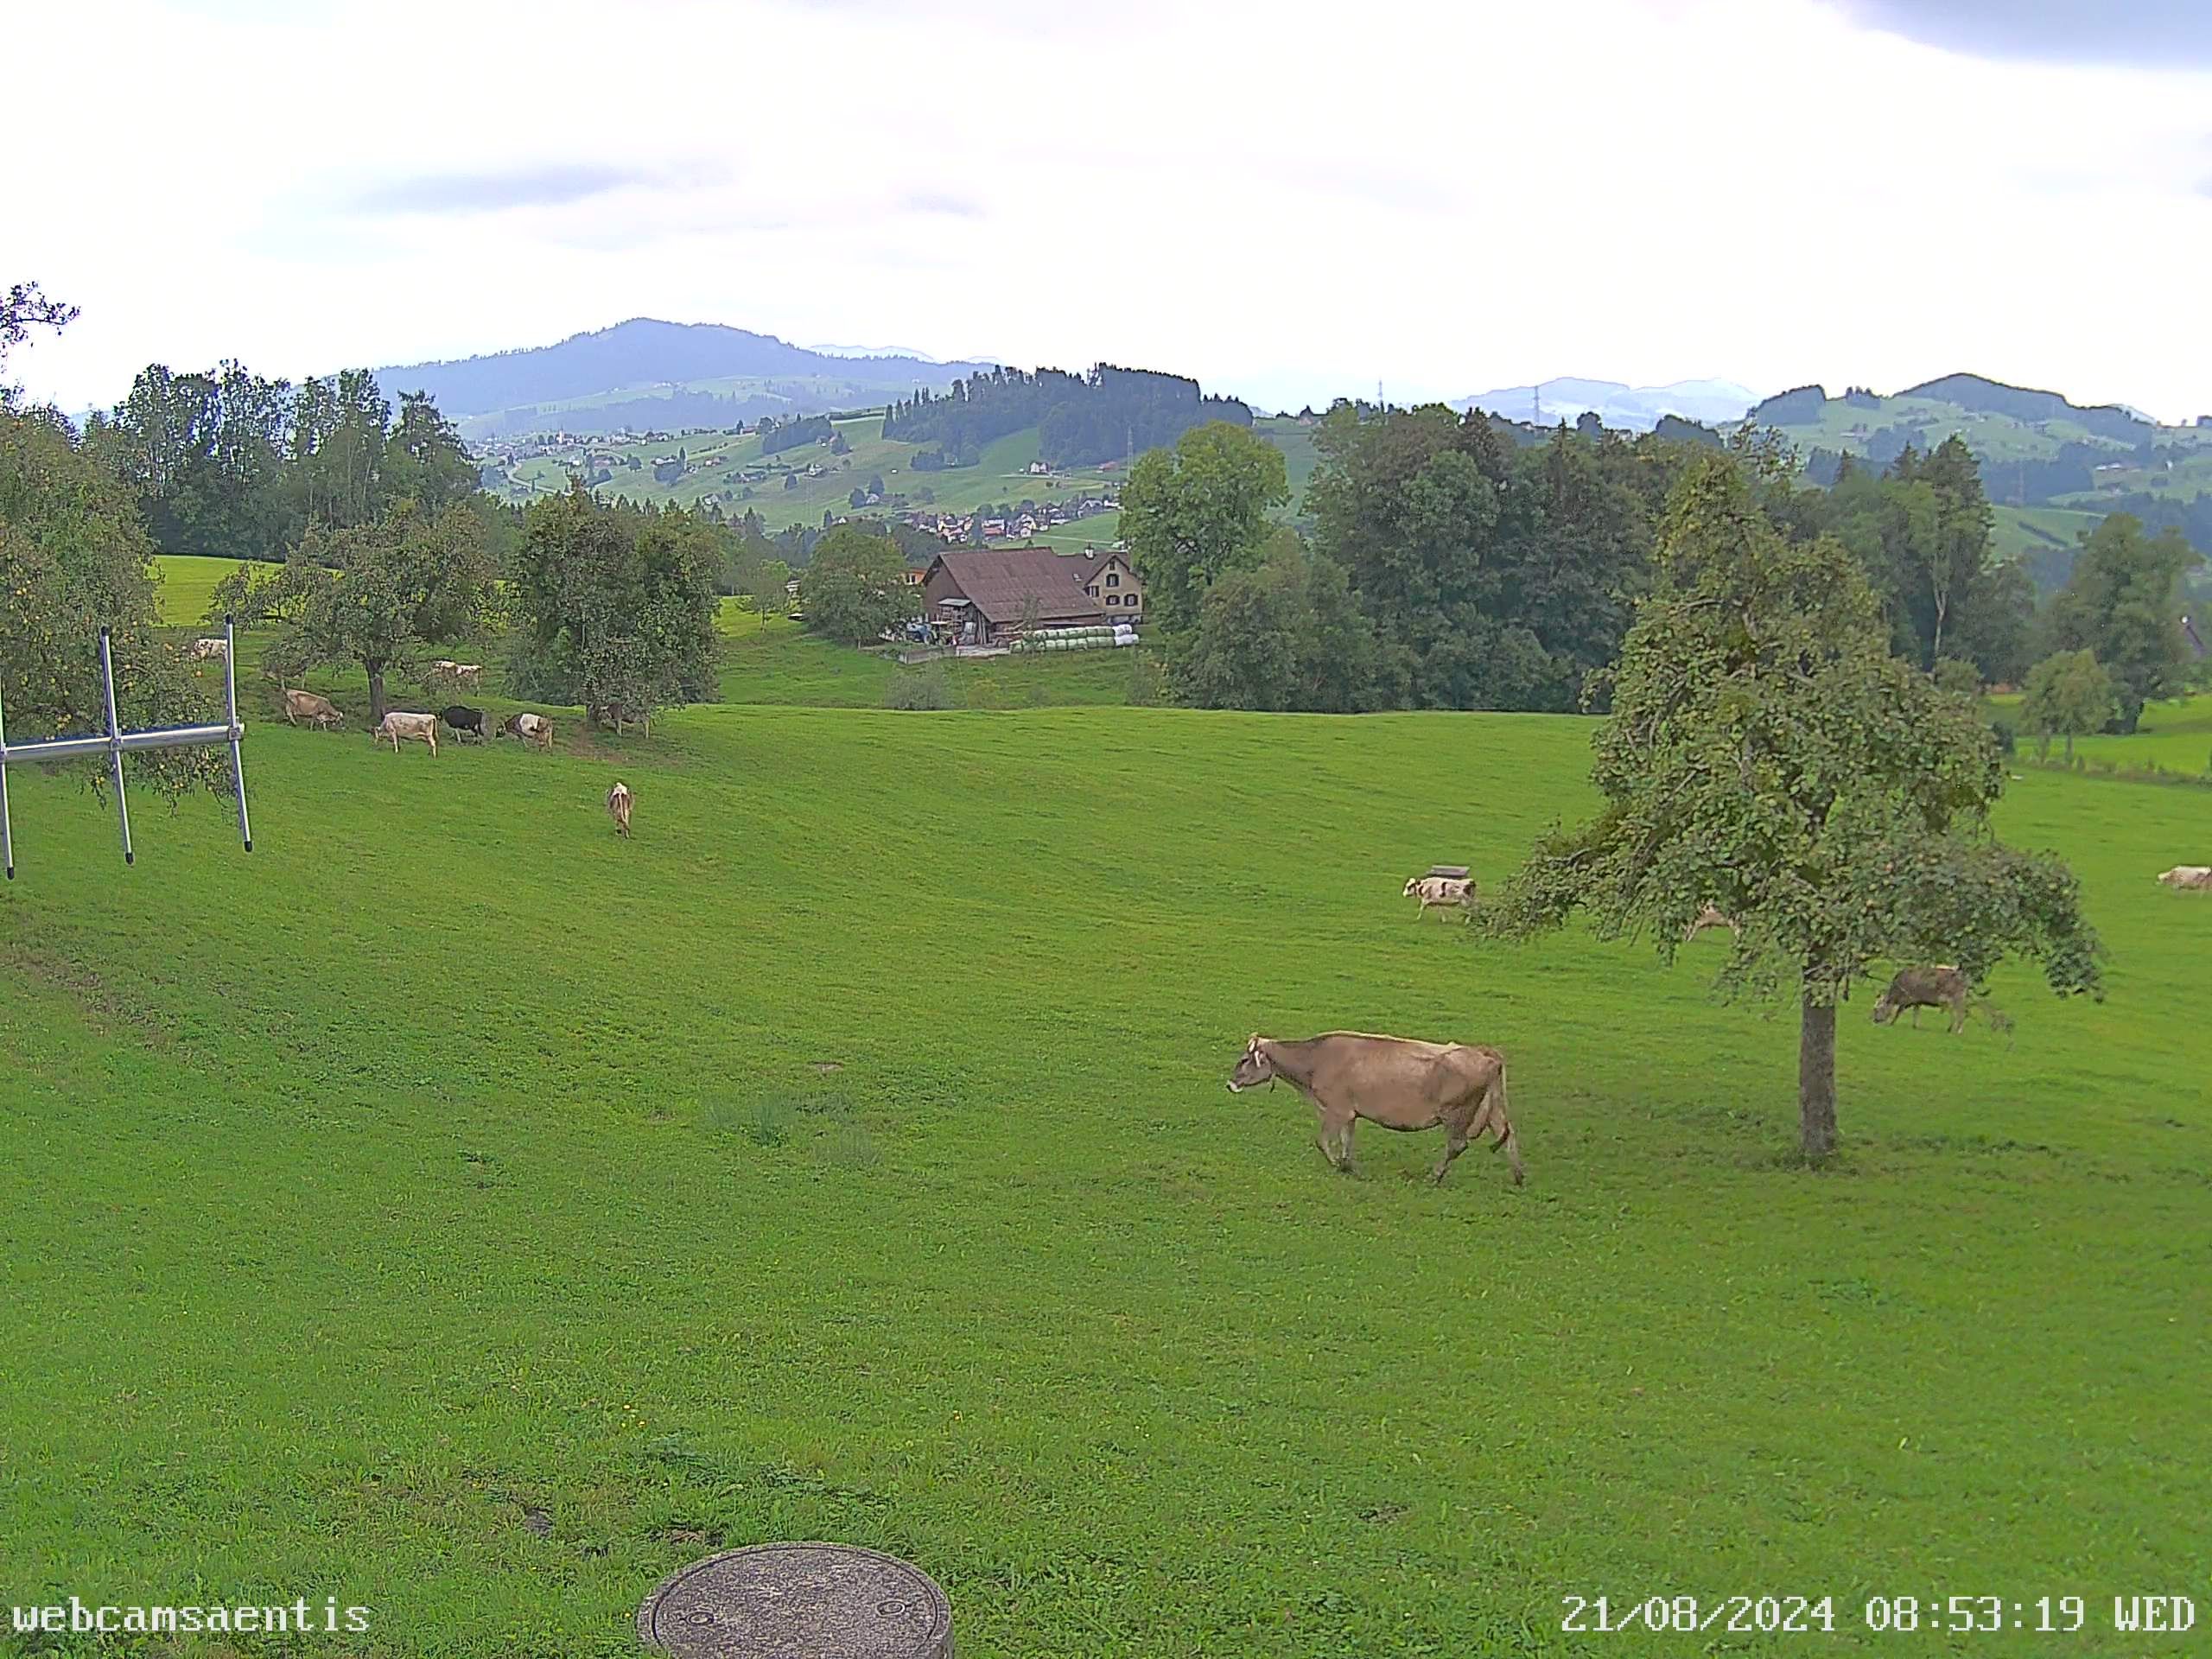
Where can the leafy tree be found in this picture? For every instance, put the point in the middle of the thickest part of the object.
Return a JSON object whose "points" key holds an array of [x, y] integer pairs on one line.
{"points": [[2069, 694], [2123, 604], [73, 558], [375, 595], [616, 607], [23, 308], [855, 587], [424, 459], [770, 588], [1193, 511], [1767, 754], [1959, 678], [1286, 634]]}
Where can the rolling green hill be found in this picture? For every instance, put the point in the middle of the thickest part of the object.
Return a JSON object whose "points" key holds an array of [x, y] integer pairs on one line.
{"points": [[2052, 470], [797, 486], [461, 1212]]}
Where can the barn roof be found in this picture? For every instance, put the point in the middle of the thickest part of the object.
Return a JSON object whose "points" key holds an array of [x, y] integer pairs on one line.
{"points": [[1001, 582]]}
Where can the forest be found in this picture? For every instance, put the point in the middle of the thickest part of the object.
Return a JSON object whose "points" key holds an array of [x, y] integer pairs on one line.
{"points": [[1110, 413]]}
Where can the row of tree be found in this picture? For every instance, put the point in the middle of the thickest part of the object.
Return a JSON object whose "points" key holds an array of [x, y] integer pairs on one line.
{"points": [[1450, 567], [224, 463]]}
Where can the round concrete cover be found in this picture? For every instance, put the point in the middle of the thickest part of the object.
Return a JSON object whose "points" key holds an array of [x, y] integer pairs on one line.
{"points": [[798, 1601]]}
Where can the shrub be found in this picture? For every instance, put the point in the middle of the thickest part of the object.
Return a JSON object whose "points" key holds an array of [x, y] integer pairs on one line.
{"points": [[924, 688]]}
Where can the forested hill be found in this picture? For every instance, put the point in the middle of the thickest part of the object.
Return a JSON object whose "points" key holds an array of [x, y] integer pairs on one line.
{"points": [[584, 378], [2053, 469], [1110, 413]]}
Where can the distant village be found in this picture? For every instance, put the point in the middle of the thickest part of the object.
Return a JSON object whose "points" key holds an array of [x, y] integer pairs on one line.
{"points": [[591, 458]]}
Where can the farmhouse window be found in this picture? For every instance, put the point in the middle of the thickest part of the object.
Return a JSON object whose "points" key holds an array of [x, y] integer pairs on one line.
{"points": [[1113, 579]]}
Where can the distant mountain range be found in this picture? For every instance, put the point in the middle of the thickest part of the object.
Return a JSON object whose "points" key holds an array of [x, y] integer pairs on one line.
{"points": [[645, 374], [1633, 409]]}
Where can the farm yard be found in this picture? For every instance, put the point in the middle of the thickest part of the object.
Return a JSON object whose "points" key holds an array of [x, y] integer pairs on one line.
{"points": [[455, 1210]]}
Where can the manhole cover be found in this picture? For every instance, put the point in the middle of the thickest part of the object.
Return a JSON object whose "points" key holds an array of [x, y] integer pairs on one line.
{"points": [[798, 1601]]}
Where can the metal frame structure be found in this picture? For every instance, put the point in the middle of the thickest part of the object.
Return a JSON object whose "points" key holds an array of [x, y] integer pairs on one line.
{"points": [[115, 742]]}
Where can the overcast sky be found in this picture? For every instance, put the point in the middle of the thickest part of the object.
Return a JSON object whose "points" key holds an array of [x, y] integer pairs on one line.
{"points": [[1290, 198]]}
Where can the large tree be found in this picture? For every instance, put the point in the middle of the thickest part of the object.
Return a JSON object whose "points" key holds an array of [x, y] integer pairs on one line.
{"points": [[2070, 695], [1194, 511], [1767, 754], [1286, 634], [74, 559], [2123, 603], [376, 595], [616, 607], [855, 587]]}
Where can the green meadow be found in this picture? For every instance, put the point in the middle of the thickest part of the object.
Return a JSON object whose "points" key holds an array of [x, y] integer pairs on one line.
{"points": [[453, 1210]]}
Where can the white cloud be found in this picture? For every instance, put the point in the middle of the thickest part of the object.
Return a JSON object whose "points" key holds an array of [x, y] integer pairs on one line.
{"points": [[1286, 198]]}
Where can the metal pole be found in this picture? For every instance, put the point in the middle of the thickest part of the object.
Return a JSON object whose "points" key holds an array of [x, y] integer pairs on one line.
{"points": [[230, 702], [115, 744], [7, 846]]}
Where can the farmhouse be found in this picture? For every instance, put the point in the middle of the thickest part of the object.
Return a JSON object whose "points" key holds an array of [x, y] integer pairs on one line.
{"points": [[985, 596]]}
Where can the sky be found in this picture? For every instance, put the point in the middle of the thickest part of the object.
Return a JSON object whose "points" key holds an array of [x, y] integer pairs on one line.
{"points": [[1292, 199]]}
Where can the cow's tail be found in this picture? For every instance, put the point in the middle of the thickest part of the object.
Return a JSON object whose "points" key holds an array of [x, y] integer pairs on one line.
{"points": [[1501, 1118]]}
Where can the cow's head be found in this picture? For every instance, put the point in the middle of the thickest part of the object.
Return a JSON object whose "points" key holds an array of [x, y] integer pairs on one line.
{"points": [[1412, 884], [1253, 1066], [1885, 1007]]}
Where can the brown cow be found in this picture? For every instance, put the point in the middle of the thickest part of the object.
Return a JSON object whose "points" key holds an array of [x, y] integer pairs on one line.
{"points": [[618, 807], [2189, 878], [318, 711], [1710, 917], [1398, 1081], [1941, 987]]}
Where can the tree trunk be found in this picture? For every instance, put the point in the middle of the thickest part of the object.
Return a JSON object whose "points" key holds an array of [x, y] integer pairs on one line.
{"points": [[1816, 1079], [376, 693]]}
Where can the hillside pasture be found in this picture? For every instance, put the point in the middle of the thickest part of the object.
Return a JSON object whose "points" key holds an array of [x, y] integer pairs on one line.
{"points": [[461, 1212], [723, 467]]}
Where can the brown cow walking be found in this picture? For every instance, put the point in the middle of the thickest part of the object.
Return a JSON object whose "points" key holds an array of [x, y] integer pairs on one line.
{"points": [[618, 807], [1398, 1081]]}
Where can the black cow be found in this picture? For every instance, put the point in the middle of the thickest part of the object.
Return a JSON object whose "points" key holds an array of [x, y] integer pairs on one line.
{"points": [[462, 719]]}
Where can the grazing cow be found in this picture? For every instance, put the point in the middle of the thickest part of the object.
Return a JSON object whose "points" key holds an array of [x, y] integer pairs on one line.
{"points": [[462, 718], [398, 723], [2189, 878], [318, 711], [200, 650], [1393, 1081], [1942, 987], [531, 729], [1710, 917], [618, 807], [1441, 893]]}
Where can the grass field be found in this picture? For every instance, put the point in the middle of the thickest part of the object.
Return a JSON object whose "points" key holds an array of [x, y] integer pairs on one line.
{"points": [[2177, 737], [456, 1210], [188, 584], [775, 663]]}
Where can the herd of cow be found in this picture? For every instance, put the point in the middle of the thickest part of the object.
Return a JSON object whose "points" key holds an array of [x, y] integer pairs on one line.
{"points": [[1403, 1084], [312, 709]]}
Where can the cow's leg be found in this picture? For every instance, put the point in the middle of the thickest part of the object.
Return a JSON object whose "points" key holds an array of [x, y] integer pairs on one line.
{"points": [[1916, 1016], [1456, 1129], [1958, 1016], [1336, 1126]]}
